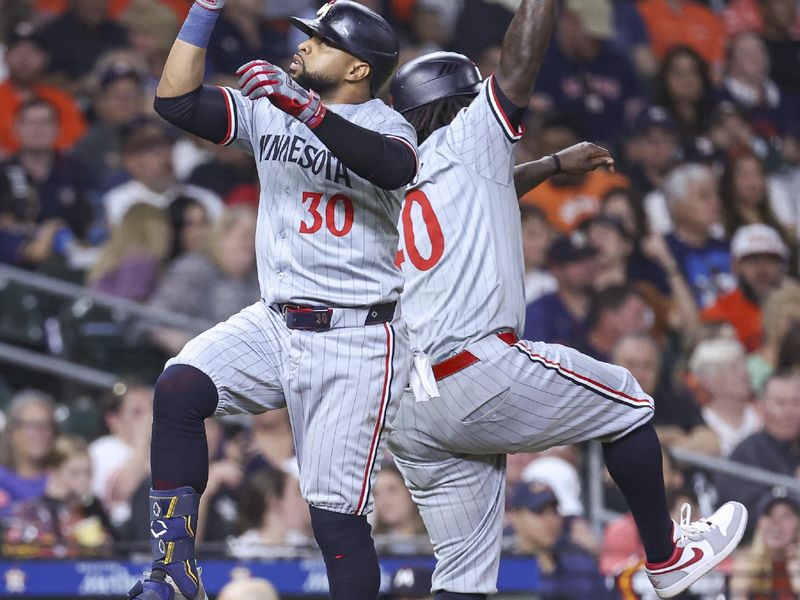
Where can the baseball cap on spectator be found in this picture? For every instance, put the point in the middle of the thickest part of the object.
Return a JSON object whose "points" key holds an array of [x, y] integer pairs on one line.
{"points": [[568, 249], [595, 16], [116, 71], [143, 135], [26, 32], [757, 239], [411, 582], [654, 116], [534, 496], [777, 495], [562, 478]]}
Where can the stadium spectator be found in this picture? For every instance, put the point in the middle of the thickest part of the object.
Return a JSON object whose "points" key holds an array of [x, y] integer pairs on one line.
{"points": [[22, 242], [398, 528], [248, 588], [784, 183], [632, 38], [481, 25], [81, 34], [683, 87], [432, 27], [265, 531], [120, 459], [622, 204], [719, 368], [558, 317], [190, 226], [214, 285], [568, 199], [536, 237], [147, 156], [67, 521], [770, 566], [783, 45], [780, 313], [566, 571], [242, 33], [218, 507], [131, 263], [775, 448], [26, 452], [789, 352], [26, 60], [61, 183], [411, 583], [614, 312], [743, 188], [652, 149], [272, 443], [759, 263], [747, 84], [118, 100], [678, 419], [672, 23], [152, 28], [586, 75], [694, 205]]}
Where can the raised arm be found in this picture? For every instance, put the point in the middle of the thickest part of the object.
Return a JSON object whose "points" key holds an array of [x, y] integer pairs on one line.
{"points": [[181, 97], [524, 47], [576, 159]]}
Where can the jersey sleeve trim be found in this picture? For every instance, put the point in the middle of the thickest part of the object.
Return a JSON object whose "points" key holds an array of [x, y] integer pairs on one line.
{"points": [[514, 134], [410, 147], [233, 118]]}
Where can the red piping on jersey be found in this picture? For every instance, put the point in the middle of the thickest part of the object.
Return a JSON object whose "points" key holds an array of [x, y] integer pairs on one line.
{"points": [[589, 380], [465, 358], [515, 132], [228, 101], [376, 434]]}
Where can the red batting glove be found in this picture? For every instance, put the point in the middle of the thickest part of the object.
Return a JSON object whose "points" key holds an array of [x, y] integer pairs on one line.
{"points": [[259, 78]]}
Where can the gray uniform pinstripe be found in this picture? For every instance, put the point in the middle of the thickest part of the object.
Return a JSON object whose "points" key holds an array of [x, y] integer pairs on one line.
{"points": [[521, 398], [324, 236]]}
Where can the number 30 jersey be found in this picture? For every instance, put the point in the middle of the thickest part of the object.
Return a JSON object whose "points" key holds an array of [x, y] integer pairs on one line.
{"points": [[461, 240], [324, 235]]}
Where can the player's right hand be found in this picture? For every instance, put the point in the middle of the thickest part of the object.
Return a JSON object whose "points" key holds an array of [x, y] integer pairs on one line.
{"points": [[584, 157], [211, 4]]}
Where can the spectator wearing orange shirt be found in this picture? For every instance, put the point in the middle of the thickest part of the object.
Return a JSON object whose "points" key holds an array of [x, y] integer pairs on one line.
{"points": [[568, 199], [759, 263], [27, 61], [683, 22]]}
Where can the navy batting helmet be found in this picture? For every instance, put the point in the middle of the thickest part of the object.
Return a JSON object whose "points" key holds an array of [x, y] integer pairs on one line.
{"points": [[358, 31], [432, 77]]}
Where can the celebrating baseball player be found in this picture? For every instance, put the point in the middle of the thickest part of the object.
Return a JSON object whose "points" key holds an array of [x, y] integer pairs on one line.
{"points": [[326, 340], [488, 393]]}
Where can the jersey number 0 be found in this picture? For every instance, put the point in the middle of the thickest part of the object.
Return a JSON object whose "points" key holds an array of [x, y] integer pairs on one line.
{"points": [[433, 227]]}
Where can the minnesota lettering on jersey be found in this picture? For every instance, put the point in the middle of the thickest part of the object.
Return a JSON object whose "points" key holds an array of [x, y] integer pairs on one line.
{"points": [[295, 149]]}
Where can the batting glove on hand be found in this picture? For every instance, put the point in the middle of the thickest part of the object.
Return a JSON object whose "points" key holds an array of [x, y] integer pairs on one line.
{"points": [[214, 5], [258, 79]]}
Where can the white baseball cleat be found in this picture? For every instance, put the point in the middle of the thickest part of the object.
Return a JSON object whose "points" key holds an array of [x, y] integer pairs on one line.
{"points": [[699, 547]]}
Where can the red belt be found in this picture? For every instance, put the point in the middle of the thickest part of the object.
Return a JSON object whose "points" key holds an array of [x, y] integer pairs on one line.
{"points": [[465, 358]]}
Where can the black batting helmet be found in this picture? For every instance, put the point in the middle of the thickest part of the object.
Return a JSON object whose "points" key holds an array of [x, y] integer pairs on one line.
{"points": [[432, 77], [360, 32]]}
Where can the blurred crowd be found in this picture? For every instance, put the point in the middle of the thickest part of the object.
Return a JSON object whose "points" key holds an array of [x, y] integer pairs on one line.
{"points": [[679, 264]]}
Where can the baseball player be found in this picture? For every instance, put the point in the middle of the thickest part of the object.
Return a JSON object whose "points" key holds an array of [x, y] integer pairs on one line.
{"points": [[326, 339], [488, 393]]}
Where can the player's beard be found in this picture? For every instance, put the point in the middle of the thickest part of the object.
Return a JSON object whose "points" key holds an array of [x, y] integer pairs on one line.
{"points": [[314, 81]]}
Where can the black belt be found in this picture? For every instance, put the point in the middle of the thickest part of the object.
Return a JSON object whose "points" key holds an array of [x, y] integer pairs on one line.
{"points": [[318, 318]]}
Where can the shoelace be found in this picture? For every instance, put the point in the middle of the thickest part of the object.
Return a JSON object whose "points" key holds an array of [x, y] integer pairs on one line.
{"points": [[691, 531]]}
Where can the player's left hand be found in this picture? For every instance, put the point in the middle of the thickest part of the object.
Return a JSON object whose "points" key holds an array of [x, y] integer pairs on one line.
{"points": [[584, 157], [259, 79]]}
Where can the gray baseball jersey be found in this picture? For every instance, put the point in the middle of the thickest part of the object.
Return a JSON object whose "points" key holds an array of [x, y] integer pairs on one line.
{"points": [[461, 236], [507, 397], [327, 237], [324, 235]]}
